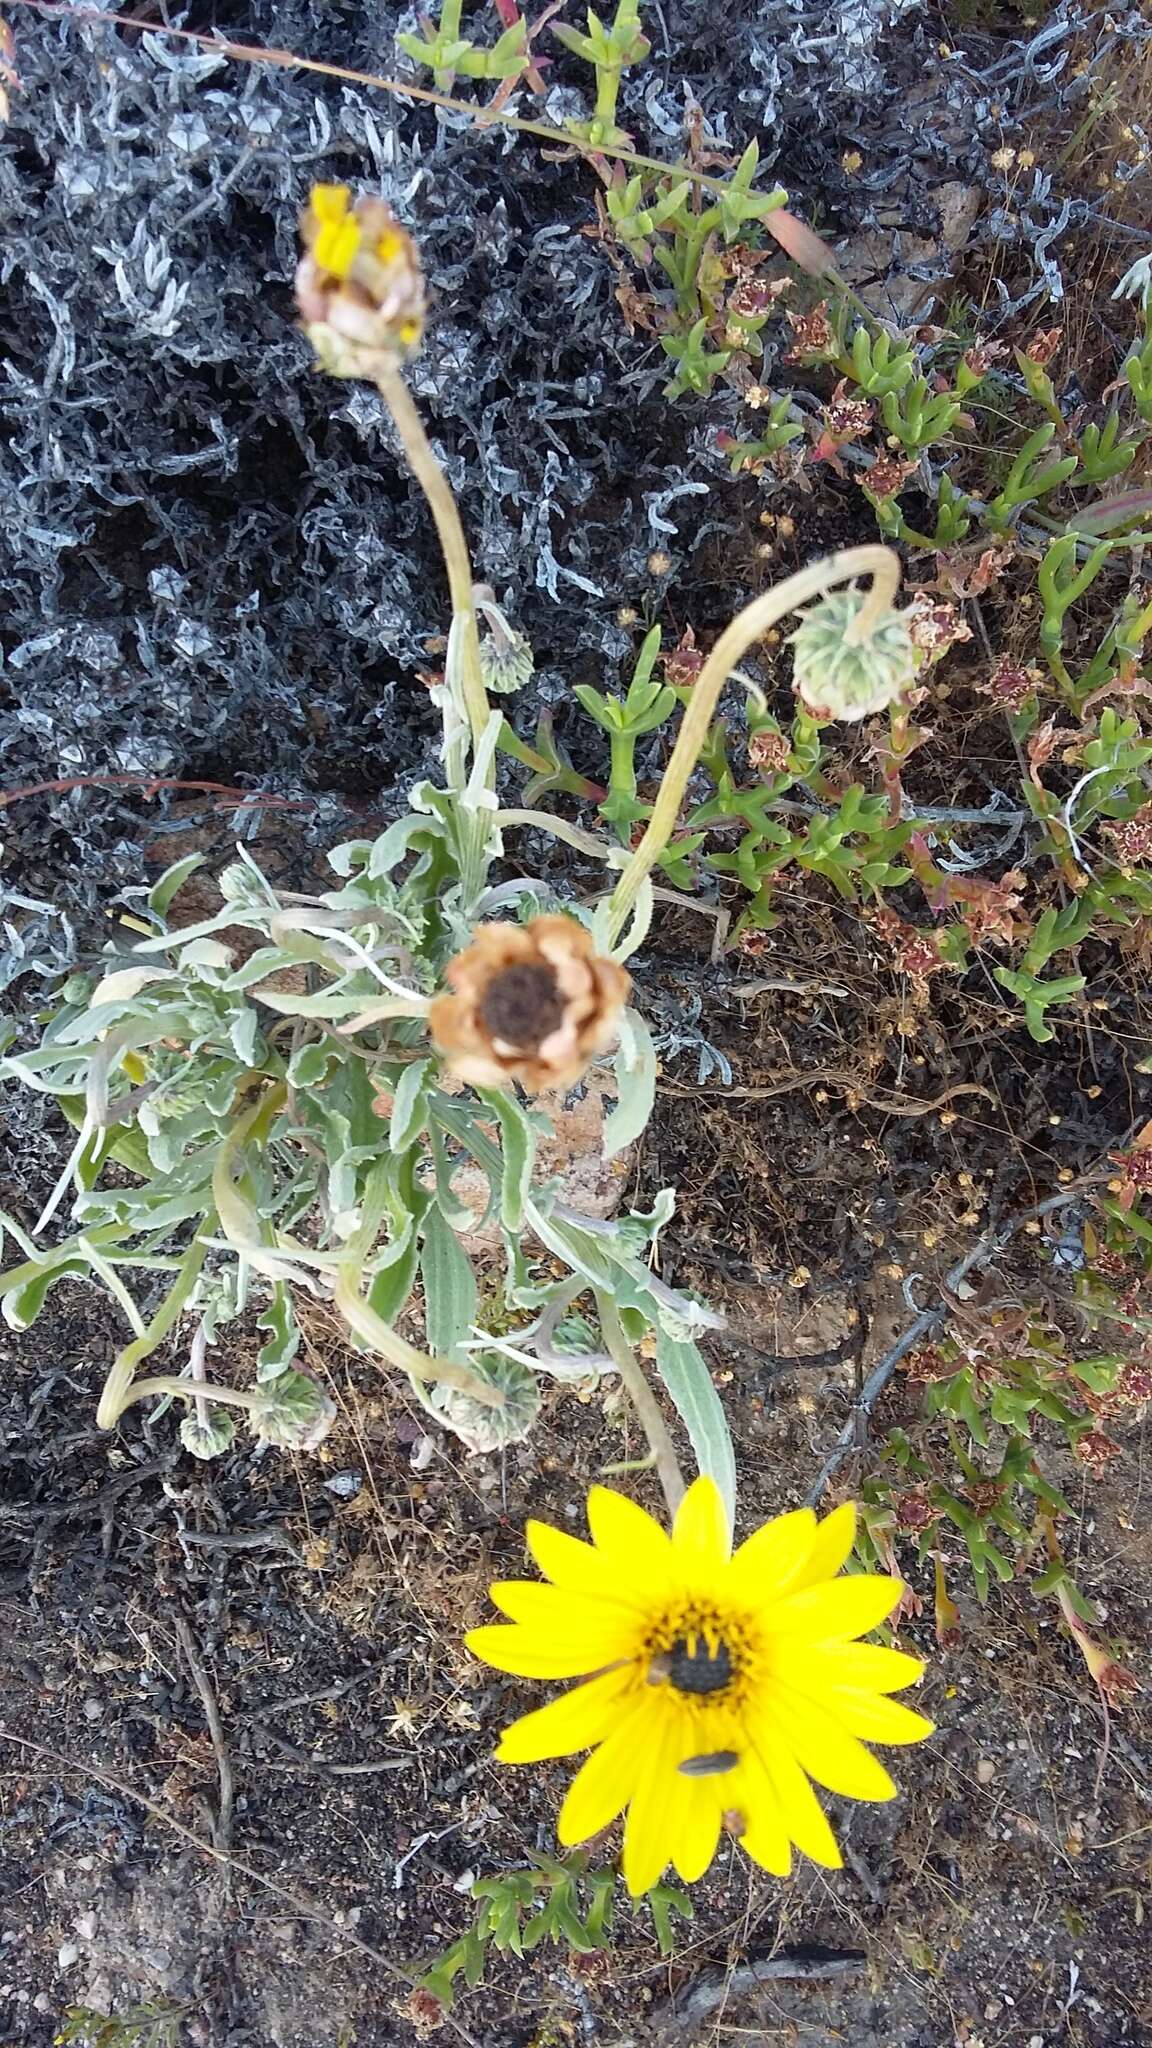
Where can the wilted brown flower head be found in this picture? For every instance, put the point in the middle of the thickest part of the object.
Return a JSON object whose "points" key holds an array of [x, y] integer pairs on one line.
{"points": [[530, 1003], [750, 299], [988, 908], [929, 1363], [1132, 839], [1043, 345], [812, 335], [886, 476], [981, 357], [1134, 1384], [769, 752], [1096, 1450], [683, 663], [1010, 684], [915, 952], [359, 285], [934, 628], [913, 1510], [845, 418]]}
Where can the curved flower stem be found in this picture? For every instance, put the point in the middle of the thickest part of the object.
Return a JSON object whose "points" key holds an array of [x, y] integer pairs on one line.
{"points": [[362, 1318], [880, 563], [644, 1401], [193, 1390], [453, 545], [559, 828], [116, 1395]]}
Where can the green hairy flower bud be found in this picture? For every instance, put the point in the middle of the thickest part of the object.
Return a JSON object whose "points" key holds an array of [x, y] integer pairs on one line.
{"points": [[840, 676]]}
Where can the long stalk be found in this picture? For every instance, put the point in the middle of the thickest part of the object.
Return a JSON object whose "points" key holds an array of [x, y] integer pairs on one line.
{"points": [[419, 1365], [453, 544], [880, 563], [116, 1396]]}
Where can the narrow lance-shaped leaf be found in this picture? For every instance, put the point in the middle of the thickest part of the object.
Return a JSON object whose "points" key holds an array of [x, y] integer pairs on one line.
{"points": [[689, 1382], [635, 1069], [449, 1287], [518, 1150], [409, 1106]]}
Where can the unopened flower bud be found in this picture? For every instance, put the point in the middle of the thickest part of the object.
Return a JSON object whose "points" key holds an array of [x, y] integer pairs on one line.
{"points": [[838, 676]]}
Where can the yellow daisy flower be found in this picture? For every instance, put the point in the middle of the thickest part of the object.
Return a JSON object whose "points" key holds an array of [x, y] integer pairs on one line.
{"points": [[717, 1686]]}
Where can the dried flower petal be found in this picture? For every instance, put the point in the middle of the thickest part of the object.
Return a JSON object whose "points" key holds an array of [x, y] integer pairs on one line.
{"points": [[359, 285], [1131, 839], [530, 1003], [934, 628]]}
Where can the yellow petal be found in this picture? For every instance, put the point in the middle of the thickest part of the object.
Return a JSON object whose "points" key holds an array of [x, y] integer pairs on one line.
{"points": [[799, 1809], [336, 245], [765, 1837], [569, 1618], [823, 1747], [861, 1667], [577, 1567], [695, 1828], [769, 1563], [700, 1534], [835, 1611], [632, 1542], [578, 1720], [527, 1653], [330, 202], [654, 1808], [831, 1549], [604, 1783], [877, 1719]]}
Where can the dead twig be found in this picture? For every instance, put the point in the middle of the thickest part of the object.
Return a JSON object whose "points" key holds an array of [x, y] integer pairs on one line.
{"points": [[150, 787], [890, 1104], [310, 1699], [986, 1249], [337, 1770], [222, 1825], [715, 1990]]}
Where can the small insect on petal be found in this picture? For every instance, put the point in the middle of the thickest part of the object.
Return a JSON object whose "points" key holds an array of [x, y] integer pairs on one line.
{"points": [[714, 1765]]}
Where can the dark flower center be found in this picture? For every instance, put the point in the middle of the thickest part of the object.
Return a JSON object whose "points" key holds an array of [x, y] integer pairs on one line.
{"points": [[699, 1669], [522, 1005]]}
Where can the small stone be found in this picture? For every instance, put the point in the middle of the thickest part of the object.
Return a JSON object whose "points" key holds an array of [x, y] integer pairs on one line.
{"points": [[93, 1710], [85, 1926], [985, 1770], [67, 1954]]}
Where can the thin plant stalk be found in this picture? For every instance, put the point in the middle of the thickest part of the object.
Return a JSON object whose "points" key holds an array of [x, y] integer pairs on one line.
{"points": [[371, 1328], [116, 1396], [453, 544], [880, 563], [644, 1401]]}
